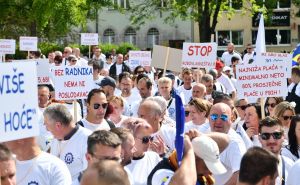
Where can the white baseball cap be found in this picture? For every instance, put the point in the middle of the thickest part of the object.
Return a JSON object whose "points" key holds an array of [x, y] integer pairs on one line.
{"points": [[208, 150], [226, 68]]}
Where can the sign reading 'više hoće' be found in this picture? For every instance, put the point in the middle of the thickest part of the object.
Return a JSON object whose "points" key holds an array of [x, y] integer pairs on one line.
{"points": [[72, 82], [89, 39], [199, 55], [7, 46], [18, 97], [261, 80]]}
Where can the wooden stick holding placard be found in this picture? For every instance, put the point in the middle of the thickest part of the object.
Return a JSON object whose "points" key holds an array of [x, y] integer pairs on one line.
{"points": [[262, 107], [166, 61], [28, 53], [3, 60], [75, 110], [89, 51]]}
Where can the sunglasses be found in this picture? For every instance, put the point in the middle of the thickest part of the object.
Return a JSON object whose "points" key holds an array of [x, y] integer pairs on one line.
{"points": [[243, 107], [186, 113], [223, 117], [271, 104], [275, 135], [73, 60], [287, 117], [97, 105], [140, 72], [146, 139]]}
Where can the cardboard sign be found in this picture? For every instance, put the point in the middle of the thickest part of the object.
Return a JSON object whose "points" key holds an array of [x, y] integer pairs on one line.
{"points": [[18, 97], [28, 43], [199, 55], [159, 57], [261, 80], [139, 58], [277, 58], [72, 82], [7, 46], [89, 39]]}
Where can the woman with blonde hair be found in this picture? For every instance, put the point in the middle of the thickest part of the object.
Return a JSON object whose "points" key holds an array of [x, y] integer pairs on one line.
{"points": [[117, 116]]}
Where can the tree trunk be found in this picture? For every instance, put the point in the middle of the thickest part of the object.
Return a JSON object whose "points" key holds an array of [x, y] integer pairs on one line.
{"points": [[204, 23], [33, 29]]}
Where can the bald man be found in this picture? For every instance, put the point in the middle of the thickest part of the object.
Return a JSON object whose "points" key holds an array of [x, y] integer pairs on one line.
{"points": [[199, 91]]}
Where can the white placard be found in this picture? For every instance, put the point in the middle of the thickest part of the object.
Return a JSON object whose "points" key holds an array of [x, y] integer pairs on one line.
{"points": [[28, 43], [43, 71], [89, 39], [18, 97], [199, 55], [72, 82], [139, 58], [277, 58], [261, 80], [7, 46]]}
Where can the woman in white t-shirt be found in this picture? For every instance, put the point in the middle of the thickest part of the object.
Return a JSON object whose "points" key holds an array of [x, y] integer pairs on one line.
{"points": [[117, 116], [199, 111]]}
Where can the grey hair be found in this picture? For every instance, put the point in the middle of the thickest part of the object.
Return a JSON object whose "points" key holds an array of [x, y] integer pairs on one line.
{"points": [[207, 78], [59, 113], [156, 109], [160, 101]]}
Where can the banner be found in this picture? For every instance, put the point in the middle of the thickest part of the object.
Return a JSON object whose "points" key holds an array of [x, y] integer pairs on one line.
{"points": [[139, 58], [261, 80], [28, 43], [89, 39], [7, 46], [72, 82], [19, 101], [199, 55]]}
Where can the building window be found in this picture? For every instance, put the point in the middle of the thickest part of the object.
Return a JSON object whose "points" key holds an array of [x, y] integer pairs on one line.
{"points": [[109, 36], [275, 5], [237, 5], [130, 36], [152, 37], [163, 3], [274, 36], [122, 3], [227, 36]]}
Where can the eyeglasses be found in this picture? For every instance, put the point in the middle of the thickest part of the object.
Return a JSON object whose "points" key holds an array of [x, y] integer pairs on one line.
{"points": [[271, 104], [275, 135], [287, 117], [243, 107], [223, 117], [73, 60], [249, 48], [139, 72], [97, 105], [186, 113], [146, 139]]}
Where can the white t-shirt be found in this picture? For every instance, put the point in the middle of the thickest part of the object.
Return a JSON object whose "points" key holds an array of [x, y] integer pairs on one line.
{"points": [[141, 168], [226, 57], [223, 79], [185, 94], [247, 57], [168, 134], [82, 62], [288, 163], [237, 126], [107, 66], [71, 109], [129, 102], [162, 177], [171, 108], [45, 137], [45, 169], [293, 178], [287, 153], [291, 86], [73, 151], [231, 157], [201, 128], [118, 69], [93, 127]]}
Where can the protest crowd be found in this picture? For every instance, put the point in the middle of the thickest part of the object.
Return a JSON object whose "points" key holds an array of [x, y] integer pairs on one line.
{"points": [[124, 131]]}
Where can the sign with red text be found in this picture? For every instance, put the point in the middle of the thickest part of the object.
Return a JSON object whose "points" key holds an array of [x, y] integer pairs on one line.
{"points": [[139, 58], [19, 100], [72, 82], [89, 39], [28, 43], [277, 58], [199, 55], [43, 71], [261, 80], [7, 46]]}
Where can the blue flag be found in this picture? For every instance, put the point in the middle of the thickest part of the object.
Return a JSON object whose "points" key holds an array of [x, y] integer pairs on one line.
{"points": [[179, 127], [296, 55]]}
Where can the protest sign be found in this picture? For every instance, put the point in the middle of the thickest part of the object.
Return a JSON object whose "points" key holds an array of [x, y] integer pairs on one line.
{"points": [[72, 82], [139, 58], [277, 58], [28, 43], [171, 58], [199, 55], [43, 71], [261, 80], [7, 46], [19, 101], [89, 39]]}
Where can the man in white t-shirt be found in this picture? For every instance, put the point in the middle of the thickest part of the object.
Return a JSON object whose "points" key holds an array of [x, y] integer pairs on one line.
{"points": [[35, 166], [70, 141], [271, 136], [293, 178], [96, 73], [7, 166], [81, 61], [185, 91], [226, 56], [249, 55]]}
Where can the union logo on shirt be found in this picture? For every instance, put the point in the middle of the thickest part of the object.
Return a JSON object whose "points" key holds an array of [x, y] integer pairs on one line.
{"points": [[69, 158], [33, 183]]}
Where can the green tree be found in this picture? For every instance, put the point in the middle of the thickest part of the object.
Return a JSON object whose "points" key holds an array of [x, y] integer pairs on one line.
{"points": [[47, 19], [204, 12]]}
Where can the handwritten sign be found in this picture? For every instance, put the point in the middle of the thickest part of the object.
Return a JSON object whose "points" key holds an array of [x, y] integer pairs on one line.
{"points": [[261, 80], [139, 58], [200, 55], [161, 53], [277, 58], [18, 97], [7, 46], [72, 82], [28, 43], [89, 39]]}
